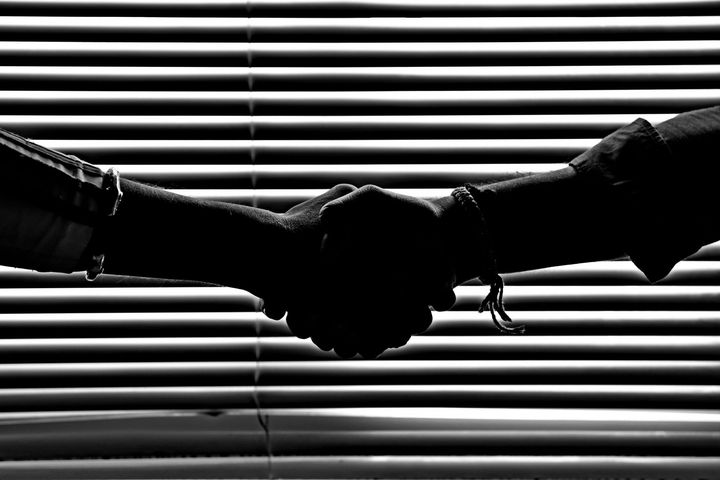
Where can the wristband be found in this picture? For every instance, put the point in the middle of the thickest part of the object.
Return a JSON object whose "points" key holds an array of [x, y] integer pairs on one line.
{"points": [[488, 274], [111, 185]]}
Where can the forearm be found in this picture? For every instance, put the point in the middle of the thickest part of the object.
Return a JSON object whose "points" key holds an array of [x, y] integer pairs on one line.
{"points": [[644, 192], [538, 221], [548, 219], [157, 233]]}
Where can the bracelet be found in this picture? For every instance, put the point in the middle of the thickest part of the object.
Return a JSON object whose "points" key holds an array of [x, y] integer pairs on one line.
{"points": [[111, 186], [489, 274]]}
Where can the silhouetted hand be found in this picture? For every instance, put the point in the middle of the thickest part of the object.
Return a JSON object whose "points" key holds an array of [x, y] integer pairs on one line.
{"points": [[389, 257], [295, 281]]}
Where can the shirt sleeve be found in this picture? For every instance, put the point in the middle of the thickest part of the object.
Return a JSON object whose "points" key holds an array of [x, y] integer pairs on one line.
{"points": [[50, 204], [664, 203]]}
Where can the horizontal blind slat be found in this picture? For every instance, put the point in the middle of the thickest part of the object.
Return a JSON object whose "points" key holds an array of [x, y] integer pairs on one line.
{"points": [[53, 102], [521, 297], [540, 150], [219, 127], [266, 29], [611, 347], [223, 441], [360, 78], [282, 374], [337, 54], [358, 7], [453, 323], [507, 396], [400, 466]]}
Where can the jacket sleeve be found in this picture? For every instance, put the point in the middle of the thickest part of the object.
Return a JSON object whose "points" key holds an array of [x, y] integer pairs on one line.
{"points": [[663, 183], [649, 193], [50, 204]]}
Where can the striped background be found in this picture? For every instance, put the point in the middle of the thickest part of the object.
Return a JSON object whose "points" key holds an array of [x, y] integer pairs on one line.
{"points": [[269, 102]]}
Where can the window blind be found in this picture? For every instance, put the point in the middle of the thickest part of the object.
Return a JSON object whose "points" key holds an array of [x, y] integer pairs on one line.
{"points": [[268, 102]]}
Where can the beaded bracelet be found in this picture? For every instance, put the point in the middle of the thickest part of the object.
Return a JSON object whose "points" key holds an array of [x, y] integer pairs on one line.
{"points": [[489, 274], [111, 185]]}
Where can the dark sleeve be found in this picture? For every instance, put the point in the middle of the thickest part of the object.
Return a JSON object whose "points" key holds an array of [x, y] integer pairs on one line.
{"points": [[50, 204], [643, 192], [662, 187]]}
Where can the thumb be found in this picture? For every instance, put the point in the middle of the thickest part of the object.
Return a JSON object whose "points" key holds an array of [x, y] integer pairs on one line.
{"points": [[360, 199], [314, 204]]}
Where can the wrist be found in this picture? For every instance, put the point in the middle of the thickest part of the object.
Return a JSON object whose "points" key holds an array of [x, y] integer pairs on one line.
{"points": [[460, 239], [256, 245], [156, 233]]}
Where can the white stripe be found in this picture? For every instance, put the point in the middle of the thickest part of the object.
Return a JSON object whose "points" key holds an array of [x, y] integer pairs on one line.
{"points": [[378, 24], [420, 96], [319, 121], [373, 144], [642, 46], [363, 72]]}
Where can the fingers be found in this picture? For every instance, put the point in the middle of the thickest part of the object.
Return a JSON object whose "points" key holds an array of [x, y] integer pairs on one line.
{"points": [[316, 203], [340, 209], [420, 321], [300, 323], [369, 332], [273, 309], [443, 299]]}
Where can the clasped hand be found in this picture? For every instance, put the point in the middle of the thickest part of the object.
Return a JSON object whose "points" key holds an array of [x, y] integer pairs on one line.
{"points": [[362, 269]]}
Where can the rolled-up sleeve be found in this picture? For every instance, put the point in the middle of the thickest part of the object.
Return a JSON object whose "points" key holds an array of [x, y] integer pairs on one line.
{"points": [[664, 202], [50, 204]]}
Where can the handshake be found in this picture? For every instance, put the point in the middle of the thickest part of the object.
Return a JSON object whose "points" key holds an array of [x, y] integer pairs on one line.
{"points": [[359, 269], [355, 270]]}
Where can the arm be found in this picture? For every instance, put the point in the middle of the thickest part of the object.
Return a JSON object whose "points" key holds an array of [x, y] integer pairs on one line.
{"points": [[156, 233], [642, 192], [645, 192], [58, 213]]}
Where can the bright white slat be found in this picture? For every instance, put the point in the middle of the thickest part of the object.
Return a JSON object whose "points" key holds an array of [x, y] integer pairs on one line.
{"points": [[136, 23], [528, 144], [168, 292], [571, 316], [339, 391], [497, 96], [154, 3], [350, 49], [407, 73], [372, 418], [480, 4], [317, 126], [317, 121], [58, 101], [483, 344], [123, 317], [698, 418], [376, 367], [381, 24]]}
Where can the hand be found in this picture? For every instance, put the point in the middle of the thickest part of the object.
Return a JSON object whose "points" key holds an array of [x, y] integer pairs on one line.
{"points": [[292, 283], [393, 255], [314, 294]]}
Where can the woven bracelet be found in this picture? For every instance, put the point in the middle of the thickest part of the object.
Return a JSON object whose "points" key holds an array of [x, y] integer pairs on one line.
{"points": [[489, 274]]}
